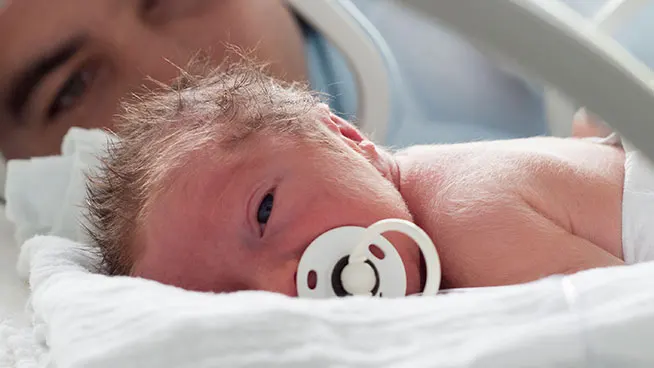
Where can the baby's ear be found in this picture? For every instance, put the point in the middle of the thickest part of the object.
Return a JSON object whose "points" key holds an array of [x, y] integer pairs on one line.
{"points": [[341, 127], [353, 138]]}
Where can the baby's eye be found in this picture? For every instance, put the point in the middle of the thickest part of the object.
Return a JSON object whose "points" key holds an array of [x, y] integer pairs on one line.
{"points": [[265, 208]]}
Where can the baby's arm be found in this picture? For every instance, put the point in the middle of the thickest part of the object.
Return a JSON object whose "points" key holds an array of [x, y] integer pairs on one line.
{"points": [[508, 241]]}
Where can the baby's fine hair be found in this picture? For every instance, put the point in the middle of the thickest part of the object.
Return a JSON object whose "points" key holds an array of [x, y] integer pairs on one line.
{"points": [[160, 131]]}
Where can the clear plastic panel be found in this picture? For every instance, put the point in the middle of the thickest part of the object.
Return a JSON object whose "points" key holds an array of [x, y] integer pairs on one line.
{"points": [[629, 22], [551, 41], [587, 8]]}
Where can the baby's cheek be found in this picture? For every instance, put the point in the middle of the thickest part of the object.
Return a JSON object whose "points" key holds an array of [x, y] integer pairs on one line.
{"points": [[174, 268], [181, 258]]}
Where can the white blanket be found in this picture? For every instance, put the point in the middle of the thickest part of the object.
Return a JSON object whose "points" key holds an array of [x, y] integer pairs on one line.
{"points": [[44, 196], [596, 318], [17, 345]]}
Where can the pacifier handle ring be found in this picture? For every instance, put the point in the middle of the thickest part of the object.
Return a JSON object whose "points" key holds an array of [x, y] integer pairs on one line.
{"points": [[419, 236]]}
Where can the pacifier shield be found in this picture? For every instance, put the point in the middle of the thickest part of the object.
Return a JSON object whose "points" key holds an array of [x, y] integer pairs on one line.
{"points": [[325, 256]]}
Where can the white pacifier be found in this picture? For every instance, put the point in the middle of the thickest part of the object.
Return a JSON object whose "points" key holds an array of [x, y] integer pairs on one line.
{"points": [[341, 262]]}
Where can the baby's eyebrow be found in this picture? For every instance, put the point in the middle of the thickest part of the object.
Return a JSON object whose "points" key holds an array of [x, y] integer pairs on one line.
{"points": [[36, 70]]}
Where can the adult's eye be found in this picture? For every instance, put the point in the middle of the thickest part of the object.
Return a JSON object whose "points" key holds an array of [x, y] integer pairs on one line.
{"points": [[72, 91], [159, 12], [148, 6], [265, 209]]}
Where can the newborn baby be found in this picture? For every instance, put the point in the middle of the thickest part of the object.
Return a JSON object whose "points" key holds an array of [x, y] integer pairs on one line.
{"points": [[220, 185]]}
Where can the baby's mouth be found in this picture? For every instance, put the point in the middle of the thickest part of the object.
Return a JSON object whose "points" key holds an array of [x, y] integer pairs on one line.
{"points": [[422, 269], [294, 284]]}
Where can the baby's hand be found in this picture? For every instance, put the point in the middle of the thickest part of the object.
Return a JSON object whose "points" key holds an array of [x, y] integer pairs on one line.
{"points": [[585, 125]]}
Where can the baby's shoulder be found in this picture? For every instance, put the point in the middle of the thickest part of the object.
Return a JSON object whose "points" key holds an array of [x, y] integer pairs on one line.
{"points": [[502, 165], [497, 166], [467, 183]]}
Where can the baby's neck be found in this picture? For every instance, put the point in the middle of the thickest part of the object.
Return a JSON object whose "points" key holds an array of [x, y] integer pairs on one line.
{"points": [[413, 174], [420, 175]]}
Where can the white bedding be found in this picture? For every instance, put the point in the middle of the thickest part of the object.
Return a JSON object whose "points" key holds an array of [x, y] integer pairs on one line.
{"points": [[34, 208], [596, 318], [14, 291], [17, 345]]}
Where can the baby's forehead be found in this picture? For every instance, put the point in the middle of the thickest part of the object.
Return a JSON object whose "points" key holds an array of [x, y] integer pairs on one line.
{"points": [[217, 166], [223, 169], [230, 151], [191, 191]]}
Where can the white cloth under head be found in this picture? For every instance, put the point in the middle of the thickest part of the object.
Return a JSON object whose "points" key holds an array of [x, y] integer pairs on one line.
{"points": [[45, 195], [638, 209], [595, 318]]}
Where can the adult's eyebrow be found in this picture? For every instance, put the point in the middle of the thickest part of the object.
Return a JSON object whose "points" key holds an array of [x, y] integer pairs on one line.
{"points": [[30, 77]]}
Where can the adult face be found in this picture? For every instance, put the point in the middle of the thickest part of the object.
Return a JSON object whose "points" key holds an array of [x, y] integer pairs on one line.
{"points": [[69, 62]]}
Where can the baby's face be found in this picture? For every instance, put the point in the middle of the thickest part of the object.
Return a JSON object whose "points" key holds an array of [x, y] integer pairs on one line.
{"points": [[244, 224]]}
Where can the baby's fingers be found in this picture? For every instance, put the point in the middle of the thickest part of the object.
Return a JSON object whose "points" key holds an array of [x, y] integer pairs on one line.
{"points": [[586, 125]]}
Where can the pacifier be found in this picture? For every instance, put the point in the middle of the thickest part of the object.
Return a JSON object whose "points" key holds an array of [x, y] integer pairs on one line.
{"points": [[344, 262]]}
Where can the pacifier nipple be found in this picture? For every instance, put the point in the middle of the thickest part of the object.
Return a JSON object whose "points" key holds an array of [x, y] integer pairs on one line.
{"points": [[358, 278], [341, 262]]}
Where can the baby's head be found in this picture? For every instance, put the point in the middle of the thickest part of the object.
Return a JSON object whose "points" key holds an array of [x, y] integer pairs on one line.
{"points": [[221, 183]]}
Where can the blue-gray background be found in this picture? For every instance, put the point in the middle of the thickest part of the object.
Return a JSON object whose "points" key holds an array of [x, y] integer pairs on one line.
{"points": [[451, 92]]}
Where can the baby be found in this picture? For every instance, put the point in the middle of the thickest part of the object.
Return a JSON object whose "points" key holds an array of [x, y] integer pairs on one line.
{"points": [[220, 185]]}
